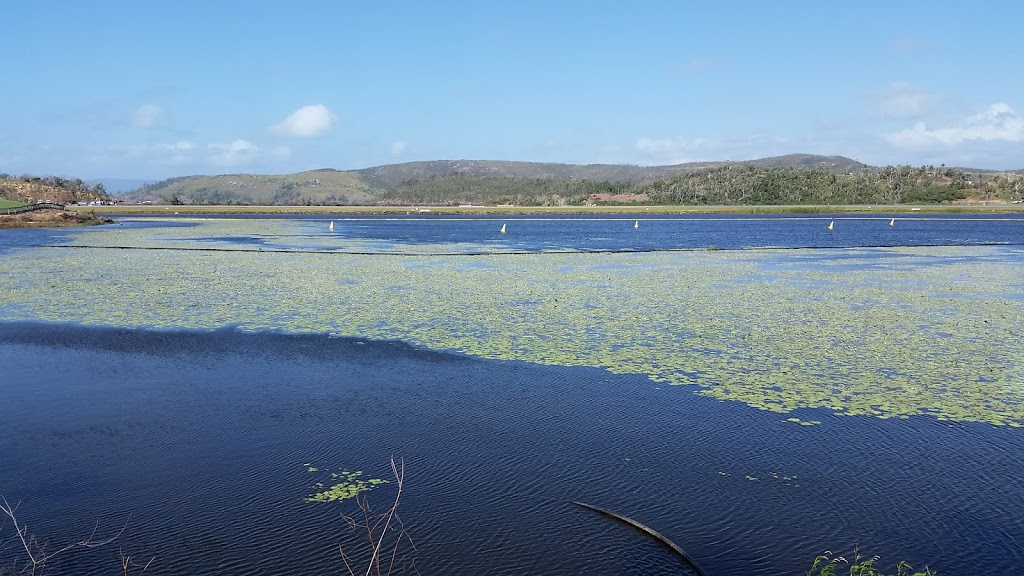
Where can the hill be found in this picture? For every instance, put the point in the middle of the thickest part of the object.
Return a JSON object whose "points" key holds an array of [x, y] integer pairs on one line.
{"points": [[446, 181], [833, 164], [49, 189], [330, 187], [791, 179], [391, 175]]}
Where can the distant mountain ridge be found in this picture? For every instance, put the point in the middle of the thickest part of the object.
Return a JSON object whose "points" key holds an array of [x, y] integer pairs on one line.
{"points": [[511, 182], [391, 175]]}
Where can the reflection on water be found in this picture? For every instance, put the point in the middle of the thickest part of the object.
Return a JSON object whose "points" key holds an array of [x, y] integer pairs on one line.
{"points": [[203, 437]]}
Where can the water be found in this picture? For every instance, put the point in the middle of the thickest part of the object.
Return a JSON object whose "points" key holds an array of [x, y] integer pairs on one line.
{"points": [[199, 439], [462, 234]]}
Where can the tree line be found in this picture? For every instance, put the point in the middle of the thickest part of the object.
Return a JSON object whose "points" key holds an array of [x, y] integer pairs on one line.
{"points": [[736, 184]]}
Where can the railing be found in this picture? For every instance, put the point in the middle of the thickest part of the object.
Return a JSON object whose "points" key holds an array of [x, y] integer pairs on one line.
{"points": [[31, 207]]}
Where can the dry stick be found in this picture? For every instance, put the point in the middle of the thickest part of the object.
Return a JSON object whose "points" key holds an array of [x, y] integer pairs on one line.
{"points": [[650, 531], [38, 563], [127, 564], [399, 477], [372, 523]]}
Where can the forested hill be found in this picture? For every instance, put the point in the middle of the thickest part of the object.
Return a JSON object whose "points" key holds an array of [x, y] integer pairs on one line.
{"points": [[793, 179], [49, 189], [392, 175]]}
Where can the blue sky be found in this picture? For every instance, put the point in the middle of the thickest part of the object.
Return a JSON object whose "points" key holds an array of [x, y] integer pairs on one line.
{"points": [[134, 89]]}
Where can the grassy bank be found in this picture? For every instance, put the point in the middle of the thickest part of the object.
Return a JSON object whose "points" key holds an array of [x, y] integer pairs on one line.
{"points": [[5, 203], [638, 210]]}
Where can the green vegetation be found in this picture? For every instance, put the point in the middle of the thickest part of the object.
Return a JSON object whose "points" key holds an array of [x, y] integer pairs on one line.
{"points": [[27, 189], [345, 485], [886, 333], [455, 189], [328, 187], [5, 203], [827, 564], [796, 180]]}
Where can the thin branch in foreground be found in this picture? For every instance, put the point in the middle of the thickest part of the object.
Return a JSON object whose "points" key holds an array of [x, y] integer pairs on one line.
{"points": [[35, 553], [385, 533]]}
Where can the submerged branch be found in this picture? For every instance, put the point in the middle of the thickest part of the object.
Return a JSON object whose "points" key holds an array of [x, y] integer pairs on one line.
{"points": [[649, 531]]}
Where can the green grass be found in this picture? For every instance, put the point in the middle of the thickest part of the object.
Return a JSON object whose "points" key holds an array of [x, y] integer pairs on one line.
{"points": [[5, 203]]}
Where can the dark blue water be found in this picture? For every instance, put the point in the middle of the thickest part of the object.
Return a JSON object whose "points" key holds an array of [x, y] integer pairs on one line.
{"points": [[615, 233], [198, 440], [448, 234]]}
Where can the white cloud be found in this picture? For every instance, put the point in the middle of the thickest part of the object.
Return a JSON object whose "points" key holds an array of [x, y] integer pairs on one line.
{"points": [[179, 146], [661, 151], [237, 152], [673, 150], [900, 100], [148, 116], [998, 123], [306, 122], [398, 147], [176, 154]]}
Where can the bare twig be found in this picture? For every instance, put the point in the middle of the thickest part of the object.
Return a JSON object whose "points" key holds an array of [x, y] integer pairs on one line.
{"points": [[380, 529], [35, 553]]}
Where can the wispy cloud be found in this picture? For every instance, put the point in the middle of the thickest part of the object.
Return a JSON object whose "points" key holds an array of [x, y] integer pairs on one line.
{"points": [[186, 153], [398, 147], [910, 44], [148, 116], [900, 100], [236, 153], [681, 150], [176, 154], [696, 66], [998, 123], [306, 122], [674, 150]]}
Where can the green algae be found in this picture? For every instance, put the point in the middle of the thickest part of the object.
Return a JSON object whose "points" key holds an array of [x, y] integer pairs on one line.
{"points": [[887, 333], [345, 485]]}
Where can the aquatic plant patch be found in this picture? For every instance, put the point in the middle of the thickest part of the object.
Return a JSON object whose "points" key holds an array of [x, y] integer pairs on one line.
{"points": [[342, 485], [896, 332]]}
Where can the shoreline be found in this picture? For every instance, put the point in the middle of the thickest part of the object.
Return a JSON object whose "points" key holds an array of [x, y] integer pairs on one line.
{"points": [[162, 210], [51, 218]]}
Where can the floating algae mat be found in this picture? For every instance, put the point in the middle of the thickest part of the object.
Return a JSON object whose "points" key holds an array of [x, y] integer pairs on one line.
{"points": [[886, 332], [341, 485]]}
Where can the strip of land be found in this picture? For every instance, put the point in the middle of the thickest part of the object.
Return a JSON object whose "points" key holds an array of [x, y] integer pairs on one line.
{"points": [[117, 210], [51, 218]]}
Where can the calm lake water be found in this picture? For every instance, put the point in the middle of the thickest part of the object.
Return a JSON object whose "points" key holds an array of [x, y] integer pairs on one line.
{"points": [[182, 375]]}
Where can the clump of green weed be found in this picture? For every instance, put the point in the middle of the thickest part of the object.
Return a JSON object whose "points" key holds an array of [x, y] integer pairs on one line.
{"points": [[827, 564]]}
